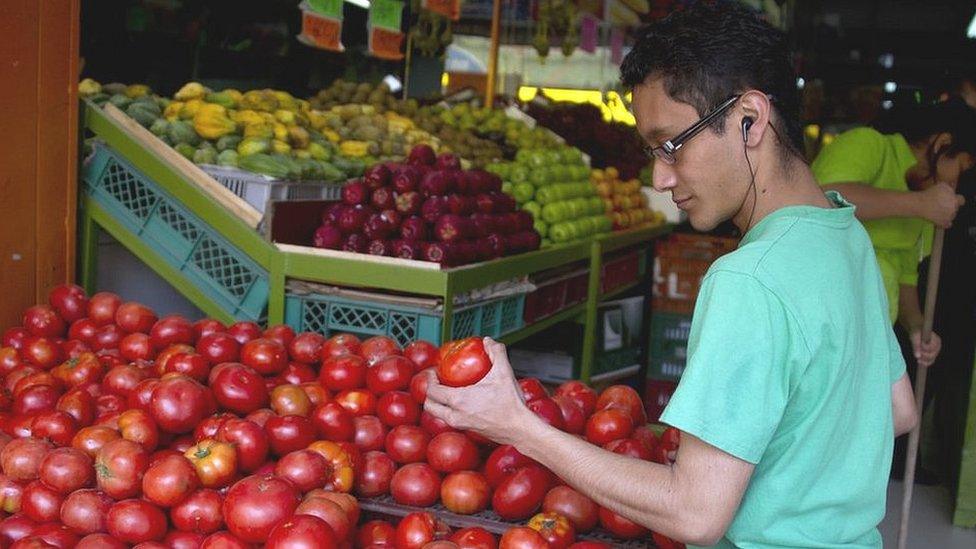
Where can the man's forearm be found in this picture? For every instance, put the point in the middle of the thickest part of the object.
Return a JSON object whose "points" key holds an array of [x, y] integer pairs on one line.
{"points": [[909, 309], [646, 493], [875, 203]]}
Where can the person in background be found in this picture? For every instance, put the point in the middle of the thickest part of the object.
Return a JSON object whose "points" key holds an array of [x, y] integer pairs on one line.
{"points": [[901, 183], [794, 385]]}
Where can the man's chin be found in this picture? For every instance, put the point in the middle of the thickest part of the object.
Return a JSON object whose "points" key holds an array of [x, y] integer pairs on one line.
{"points": [[702, 224]]}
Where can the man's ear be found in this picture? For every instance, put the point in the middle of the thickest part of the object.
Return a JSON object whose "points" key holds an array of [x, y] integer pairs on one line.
{"points": [[941, 142]]}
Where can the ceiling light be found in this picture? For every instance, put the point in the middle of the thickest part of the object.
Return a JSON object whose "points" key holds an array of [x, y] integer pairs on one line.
{"points": [[890, 87], [800, 83], [887, 104], [971, 31]]}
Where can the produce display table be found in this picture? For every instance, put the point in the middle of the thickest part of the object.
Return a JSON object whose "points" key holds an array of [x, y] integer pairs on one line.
{"points": [[202, 239]]}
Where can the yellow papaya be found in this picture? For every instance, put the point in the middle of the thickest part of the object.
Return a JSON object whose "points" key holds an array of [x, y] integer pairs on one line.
{"points": [[285, 117], [173, 110], [191, 90], [89, 87], [331, 135], [316, 119], [246, 117], [318, 152], [280, 147], [253, 145], [211, 122], [190, 108], [280, 131], [222, 98], [135, 91], [298, 137], [354, 149], [260, 129], [259, 100]]}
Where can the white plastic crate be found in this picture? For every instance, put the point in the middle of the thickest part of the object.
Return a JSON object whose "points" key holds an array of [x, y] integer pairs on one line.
{"points": [[258, 189]]}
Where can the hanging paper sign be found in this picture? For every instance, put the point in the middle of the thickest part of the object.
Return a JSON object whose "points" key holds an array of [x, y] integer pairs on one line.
{"points": [[616, 46], [322, 24], [448, 8], [588, 33], [385, 38]]}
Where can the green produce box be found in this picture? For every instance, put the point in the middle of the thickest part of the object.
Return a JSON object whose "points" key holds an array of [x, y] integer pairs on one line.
{"points": [[669, 345]]}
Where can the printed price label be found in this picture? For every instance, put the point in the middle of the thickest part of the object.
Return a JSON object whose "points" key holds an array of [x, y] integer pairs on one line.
{"points": [[321, 32], [448, 8], [385, 44]]}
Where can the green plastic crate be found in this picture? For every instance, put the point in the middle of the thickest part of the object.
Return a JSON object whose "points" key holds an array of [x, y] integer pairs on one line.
{"points": [[219, 269], [329, 314], [669, 345]]}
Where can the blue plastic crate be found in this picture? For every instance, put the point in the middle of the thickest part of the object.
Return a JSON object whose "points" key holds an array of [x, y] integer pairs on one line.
{"points": [[219, 269], [330, 314]]}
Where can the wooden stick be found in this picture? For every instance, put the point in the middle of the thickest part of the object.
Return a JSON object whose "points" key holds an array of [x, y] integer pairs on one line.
{"points": [[493, 46], [921, 373]]}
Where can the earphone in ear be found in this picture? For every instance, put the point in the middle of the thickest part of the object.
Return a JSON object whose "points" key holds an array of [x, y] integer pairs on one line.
{"points": [[746, 124]]}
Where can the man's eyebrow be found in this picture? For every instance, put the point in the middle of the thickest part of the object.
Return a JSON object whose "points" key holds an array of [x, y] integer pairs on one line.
{"points": [[656, 133]]}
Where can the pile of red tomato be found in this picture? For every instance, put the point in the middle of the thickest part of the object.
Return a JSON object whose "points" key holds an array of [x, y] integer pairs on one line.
{"points": [[122, 429]]}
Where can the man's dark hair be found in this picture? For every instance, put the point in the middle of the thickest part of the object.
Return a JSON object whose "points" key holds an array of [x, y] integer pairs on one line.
{"points": [[919, 123], [709, 51]]}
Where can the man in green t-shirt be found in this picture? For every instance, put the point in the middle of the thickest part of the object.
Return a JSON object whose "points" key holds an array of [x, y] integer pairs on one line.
{"points": [[794, 386], [890, 178]]}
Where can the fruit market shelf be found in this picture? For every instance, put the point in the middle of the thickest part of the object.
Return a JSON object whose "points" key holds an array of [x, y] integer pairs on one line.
{"points": [[384, 505], [202, 239]]}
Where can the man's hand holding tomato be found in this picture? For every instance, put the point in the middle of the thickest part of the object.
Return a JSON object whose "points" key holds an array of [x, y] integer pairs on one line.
{"points": [[491, 407]]}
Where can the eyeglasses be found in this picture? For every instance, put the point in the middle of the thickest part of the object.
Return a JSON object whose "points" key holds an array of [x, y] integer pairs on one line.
{"points": [[665, 153]]}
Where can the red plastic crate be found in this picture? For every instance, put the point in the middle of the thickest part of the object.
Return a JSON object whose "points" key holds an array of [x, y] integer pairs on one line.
{"points": [[680, 263], [576, 288], [657, 394], [554, 294], [620, 271]]}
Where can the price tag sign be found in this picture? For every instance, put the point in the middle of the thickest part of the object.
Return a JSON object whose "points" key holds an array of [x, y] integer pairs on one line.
{"points": [[321, 32], [385, 44], [448, 8], [386, 14]]}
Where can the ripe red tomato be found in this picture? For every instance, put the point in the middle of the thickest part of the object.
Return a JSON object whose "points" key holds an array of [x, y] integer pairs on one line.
{"points": [[238, 388], [671, 438], [629, 447], [407, 444], [215, 462], [462, 362], [423, 354], [625, 398], [502, 462], [333, 422], [608, 425], [521, 493], [43, 321], [391, 373], [282, 333], [290, 400], [84, 511], [548, 410], [532, 389], [83, 330], [9, 360], [329, 512], [209, 427], [341, 344], [182, 540], [358, 403], [300, 532], [21, 458], [179, 404], [42, 352], [100, 541], [254, 505], [557, 530], [244, 331], [345, 501], [219, 347], [53, 534], [433, 425], [397, 408], [522, 537], [645, 435], [474, 538], [15, 527], [79, 404], [135, 521], [265, 356], [297, 373], [140, 397], [579, 509], [224, 540], [289, 433], [377, 348], [71, 348], [303, 468], [376, 476], [66, 470], [170, 330], [418, 386], [418, 529], [120, 380], [375, 532], [119, 467], [11, 493], [621, 527], [40, 502], [206, 326], [69, 301], [91, 439], [343, 372], [306, 347], [136, 346], [416, 484], [102, 307], [250, 441], [317, 394], [581, 393], [452, 451], [370, 433], [191, 365], [663, 542], [465, 492], [200, 512], [169, 480], [574, 422], [134, 317], [34, 400]]}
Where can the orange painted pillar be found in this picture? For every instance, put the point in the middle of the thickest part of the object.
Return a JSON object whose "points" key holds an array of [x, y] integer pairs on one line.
{"points": [[38, 150]]}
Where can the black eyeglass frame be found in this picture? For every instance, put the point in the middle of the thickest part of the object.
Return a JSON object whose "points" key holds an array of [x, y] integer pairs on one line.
{"points": [[666, 151]]}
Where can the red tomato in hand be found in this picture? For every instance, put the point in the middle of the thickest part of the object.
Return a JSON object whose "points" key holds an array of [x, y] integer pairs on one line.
{"points": [[522, 537], [521, 493], [254, 505], [465, 492], [423, 354], [416, 484], [463, 362]]}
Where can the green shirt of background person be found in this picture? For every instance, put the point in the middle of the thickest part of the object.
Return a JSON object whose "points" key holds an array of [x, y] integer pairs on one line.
{"points": [[901, 184]]}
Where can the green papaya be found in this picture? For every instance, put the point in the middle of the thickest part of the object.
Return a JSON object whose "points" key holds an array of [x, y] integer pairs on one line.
{"points": [[332, 174], [120, 100], [114, 88], [228, 142], [99, 99], [264, 164], [222, 98], [159, 127], [204, 156], [227, 158], [181, 131], [349, 166], [185, 149], [143, 114]]}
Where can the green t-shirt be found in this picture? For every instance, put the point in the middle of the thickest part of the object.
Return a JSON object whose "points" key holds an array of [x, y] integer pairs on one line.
{"points": [[863, 155], [791, 359]]}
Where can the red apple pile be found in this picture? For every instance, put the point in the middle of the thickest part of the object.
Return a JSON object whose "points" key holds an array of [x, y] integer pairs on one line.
{"points": [[427, 208], [119, 429]]}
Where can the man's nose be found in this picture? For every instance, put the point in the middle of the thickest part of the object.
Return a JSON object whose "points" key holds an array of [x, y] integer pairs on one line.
{"points": [[663, 177]]}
